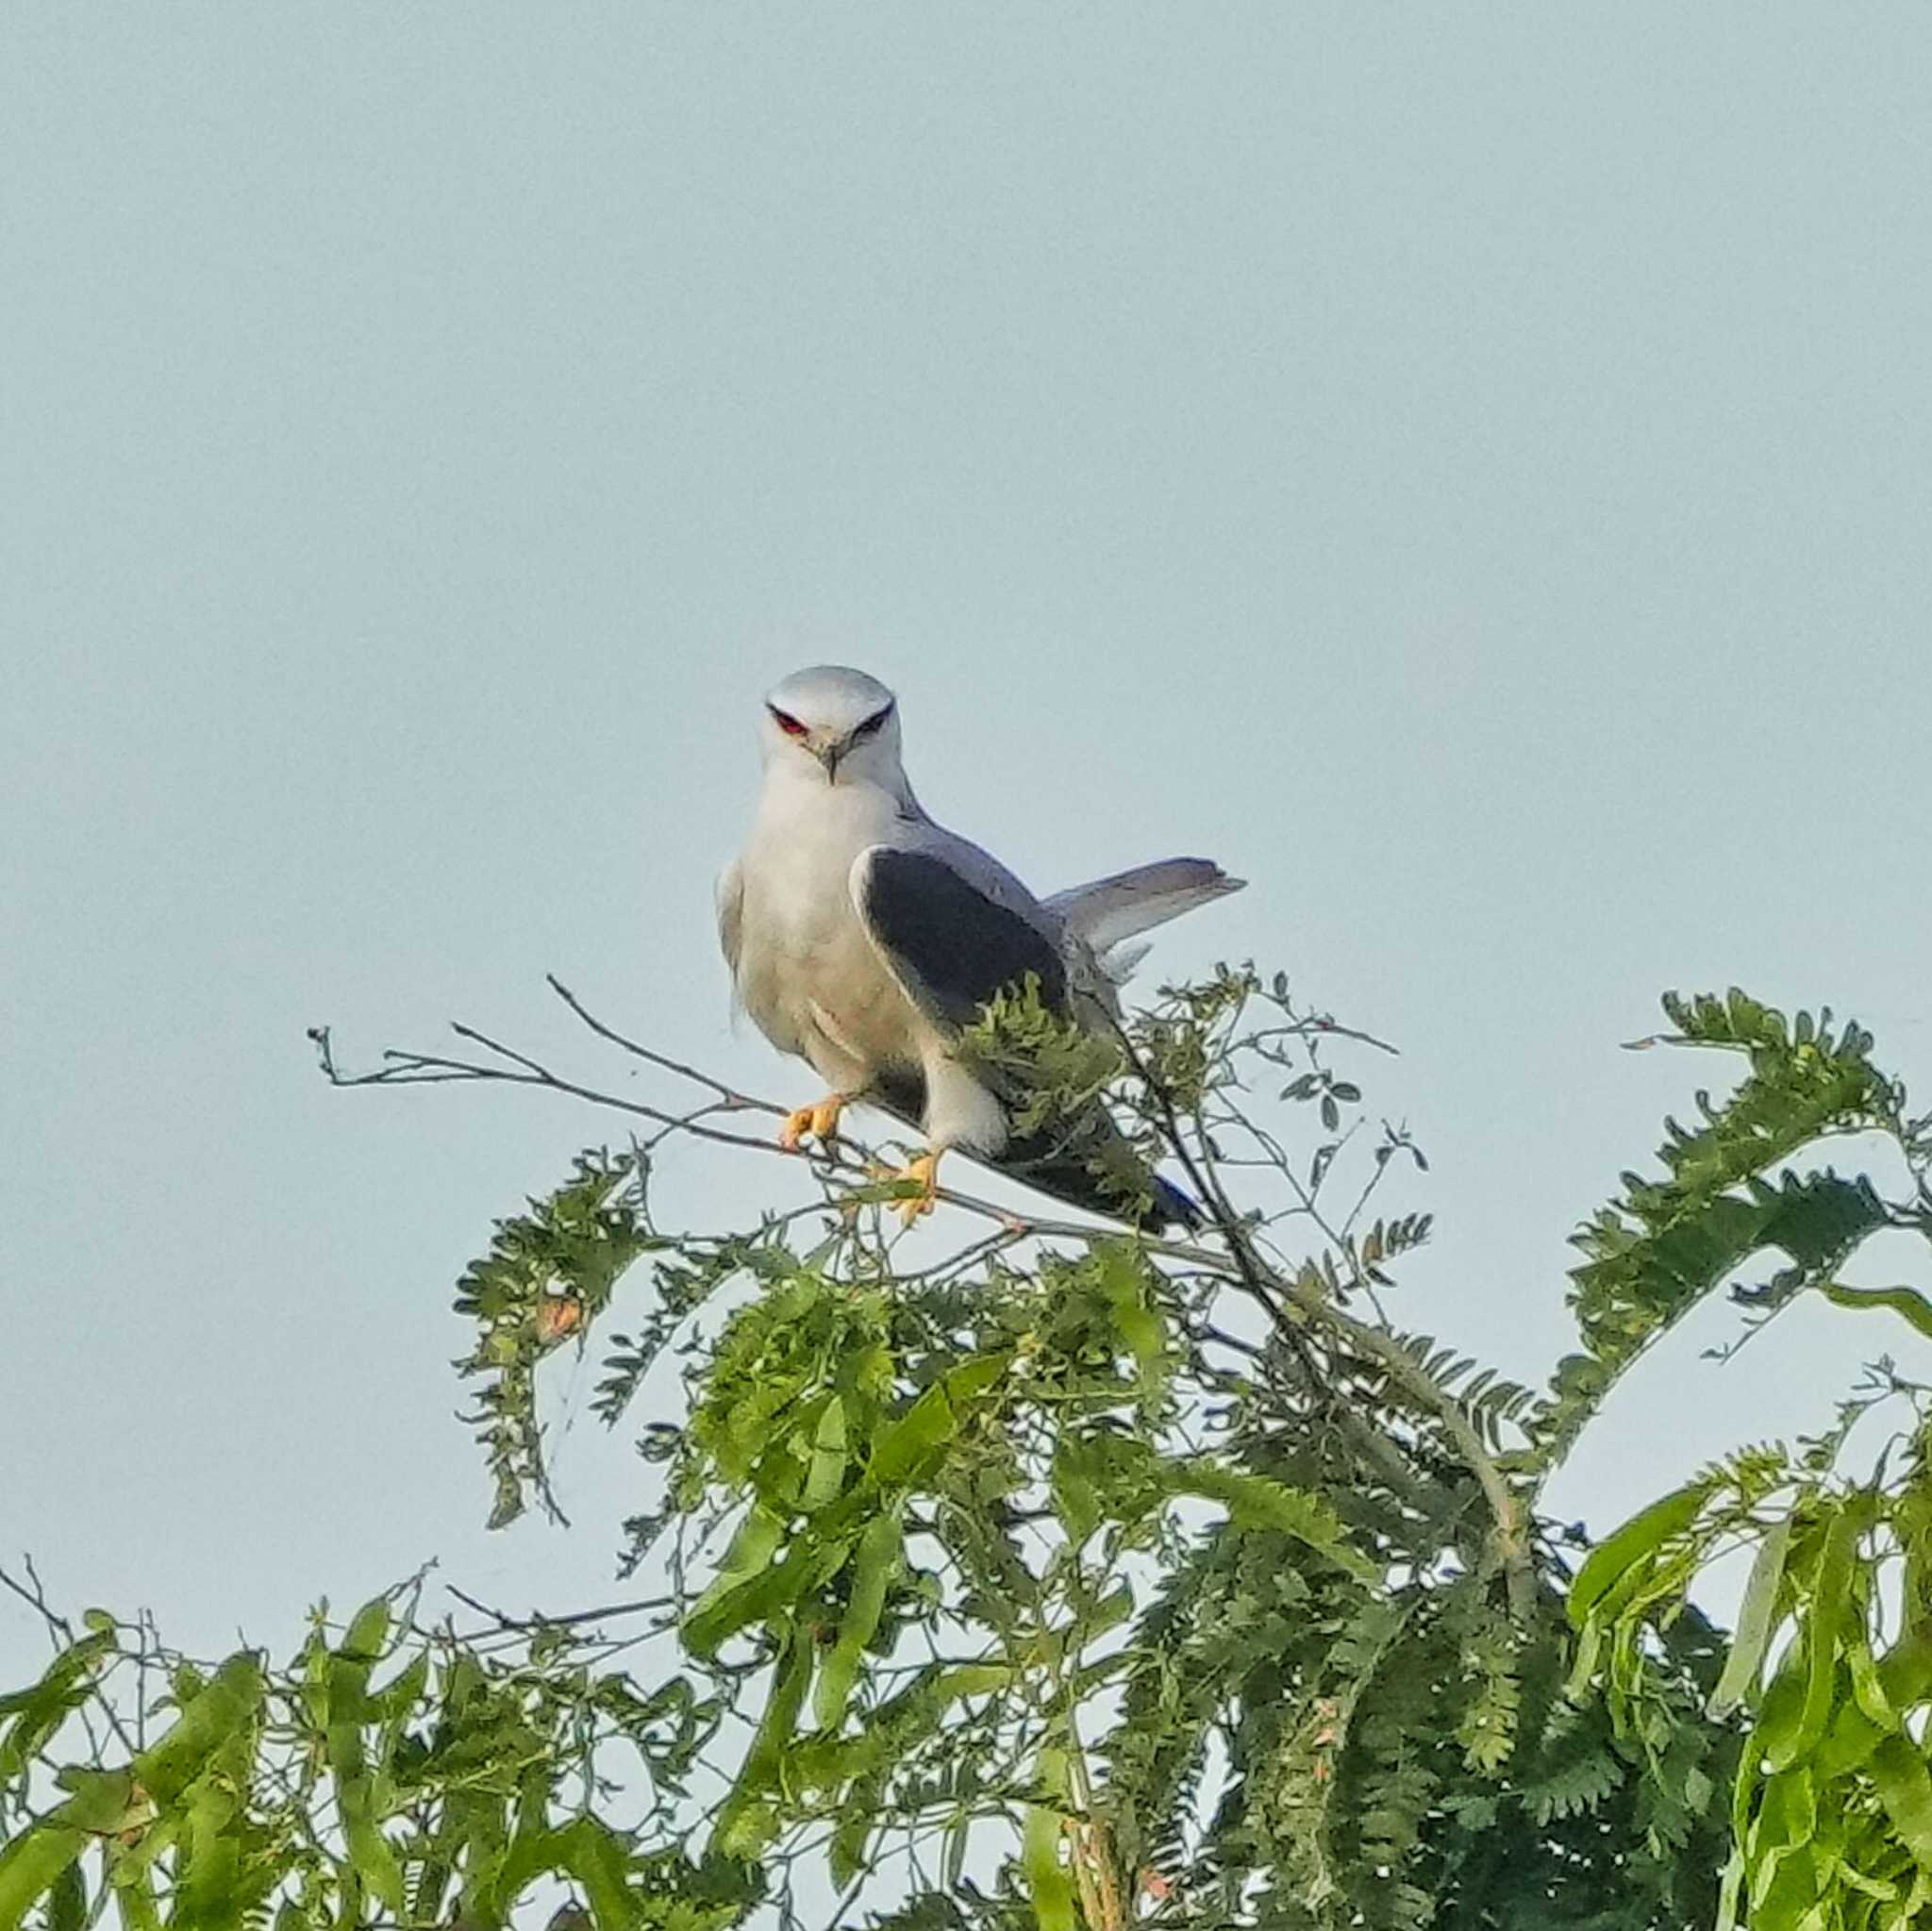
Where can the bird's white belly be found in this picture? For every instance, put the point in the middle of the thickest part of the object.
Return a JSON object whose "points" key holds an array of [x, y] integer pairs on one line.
{"points": [[837, 994], [809, 974]]}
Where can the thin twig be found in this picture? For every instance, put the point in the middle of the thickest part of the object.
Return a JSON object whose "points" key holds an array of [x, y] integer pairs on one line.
{"points": [[730, 1096], [536, 1619], [62, 1632], [430, 1069]]}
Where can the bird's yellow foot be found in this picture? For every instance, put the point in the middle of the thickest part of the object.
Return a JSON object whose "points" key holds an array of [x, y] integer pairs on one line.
{"points": [[925, 1170], [819, 1122]]}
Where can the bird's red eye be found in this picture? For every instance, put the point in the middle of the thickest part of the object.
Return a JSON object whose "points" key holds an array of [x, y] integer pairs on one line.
{"points": [[787, 722]]}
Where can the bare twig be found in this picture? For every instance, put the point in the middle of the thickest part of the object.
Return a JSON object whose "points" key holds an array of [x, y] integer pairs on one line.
{"points": [[536, 1619], [729, 1095], [430, 1069], [34, 1594]]}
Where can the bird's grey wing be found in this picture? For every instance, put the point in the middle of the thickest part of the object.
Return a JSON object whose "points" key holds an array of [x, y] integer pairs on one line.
{"points": [[1109, 910], [731, 913], [952, 944]]}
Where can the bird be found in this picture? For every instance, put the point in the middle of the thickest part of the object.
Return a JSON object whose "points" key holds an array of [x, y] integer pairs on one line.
{"points": [[863, 937]]}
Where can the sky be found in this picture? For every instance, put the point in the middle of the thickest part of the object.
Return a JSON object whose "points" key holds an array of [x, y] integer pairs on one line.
{"points": [[1464, 469]]}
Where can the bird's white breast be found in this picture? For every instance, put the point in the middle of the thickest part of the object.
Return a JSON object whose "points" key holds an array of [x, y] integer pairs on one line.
{"points": [[807, 971]]}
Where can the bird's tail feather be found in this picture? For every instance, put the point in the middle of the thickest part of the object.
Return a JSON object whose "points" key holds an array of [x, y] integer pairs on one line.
{"points": [[1107, 911]]}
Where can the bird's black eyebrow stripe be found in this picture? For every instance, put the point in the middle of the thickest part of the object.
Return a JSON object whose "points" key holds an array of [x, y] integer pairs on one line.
{"points": [[865, 728]]}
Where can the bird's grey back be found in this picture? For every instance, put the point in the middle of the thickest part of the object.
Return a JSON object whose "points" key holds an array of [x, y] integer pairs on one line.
{"points": [[981, 870]]}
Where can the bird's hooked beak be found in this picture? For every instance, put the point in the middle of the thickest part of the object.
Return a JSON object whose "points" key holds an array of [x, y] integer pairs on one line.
{"points": [[829, 754]]}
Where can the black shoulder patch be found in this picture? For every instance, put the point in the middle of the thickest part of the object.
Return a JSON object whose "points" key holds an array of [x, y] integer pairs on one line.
{"points": [[955, 947]]}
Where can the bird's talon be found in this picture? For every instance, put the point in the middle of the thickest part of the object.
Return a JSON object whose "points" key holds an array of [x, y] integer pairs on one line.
{"points": [[819, 1122], [924, 1170]]}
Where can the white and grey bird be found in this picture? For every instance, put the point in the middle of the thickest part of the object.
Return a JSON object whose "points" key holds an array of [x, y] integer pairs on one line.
{"points": [[863, 936]]}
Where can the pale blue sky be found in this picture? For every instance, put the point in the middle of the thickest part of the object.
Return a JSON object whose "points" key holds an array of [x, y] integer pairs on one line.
{"points": [[1465, 467]]}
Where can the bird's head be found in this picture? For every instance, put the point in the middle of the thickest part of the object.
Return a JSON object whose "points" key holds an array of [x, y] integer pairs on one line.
{"points": [[841, 720]]}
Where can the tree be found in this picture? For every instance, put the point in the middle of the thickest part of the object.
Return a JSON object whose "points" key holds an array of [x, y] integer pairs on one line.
{"points": [[1077, 1578]]}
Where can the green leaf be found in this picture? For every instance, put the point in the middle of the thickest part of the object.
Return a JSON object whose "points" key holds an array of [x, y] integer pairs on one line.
{"points": [[1868, 1686], [746, 1823], [567, 1253], [134, 1892], [1899, 1776], [1905, 1301], [220, 1712], [375, 1861], [1830, 1596], [1644, 1531], [42, 1708], [910, 1440], [31, 1865], [1076, 1495], [750, 1552], [827, 1471], [812, 1559], [970, 1379], [1123, 1284], [747, 1558], [596, 1856], [396, 1701], [368, 1630], [1904, 1678], [873, 1568], [209, 1891], [1660, 1247], [1258, 1502], [104, 1803], [859, 1820], [1047, 1879], [1757, 1618], [67, 1906]]}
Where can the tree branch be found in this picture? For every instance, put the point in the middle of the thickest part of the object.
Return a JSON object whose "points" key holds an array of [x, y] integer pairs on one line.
{"points": [[1274, 1288]]}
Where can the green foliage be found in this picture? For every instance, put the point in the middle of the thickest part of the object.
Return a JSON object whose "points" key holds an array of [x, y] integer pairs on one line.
{"points": [[1655, 1251], [1073, 1582], [1052, 1069], [1052, 1073], [1827, 1787], [1832, 1670], [387, 1772], [548, 1275]]}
